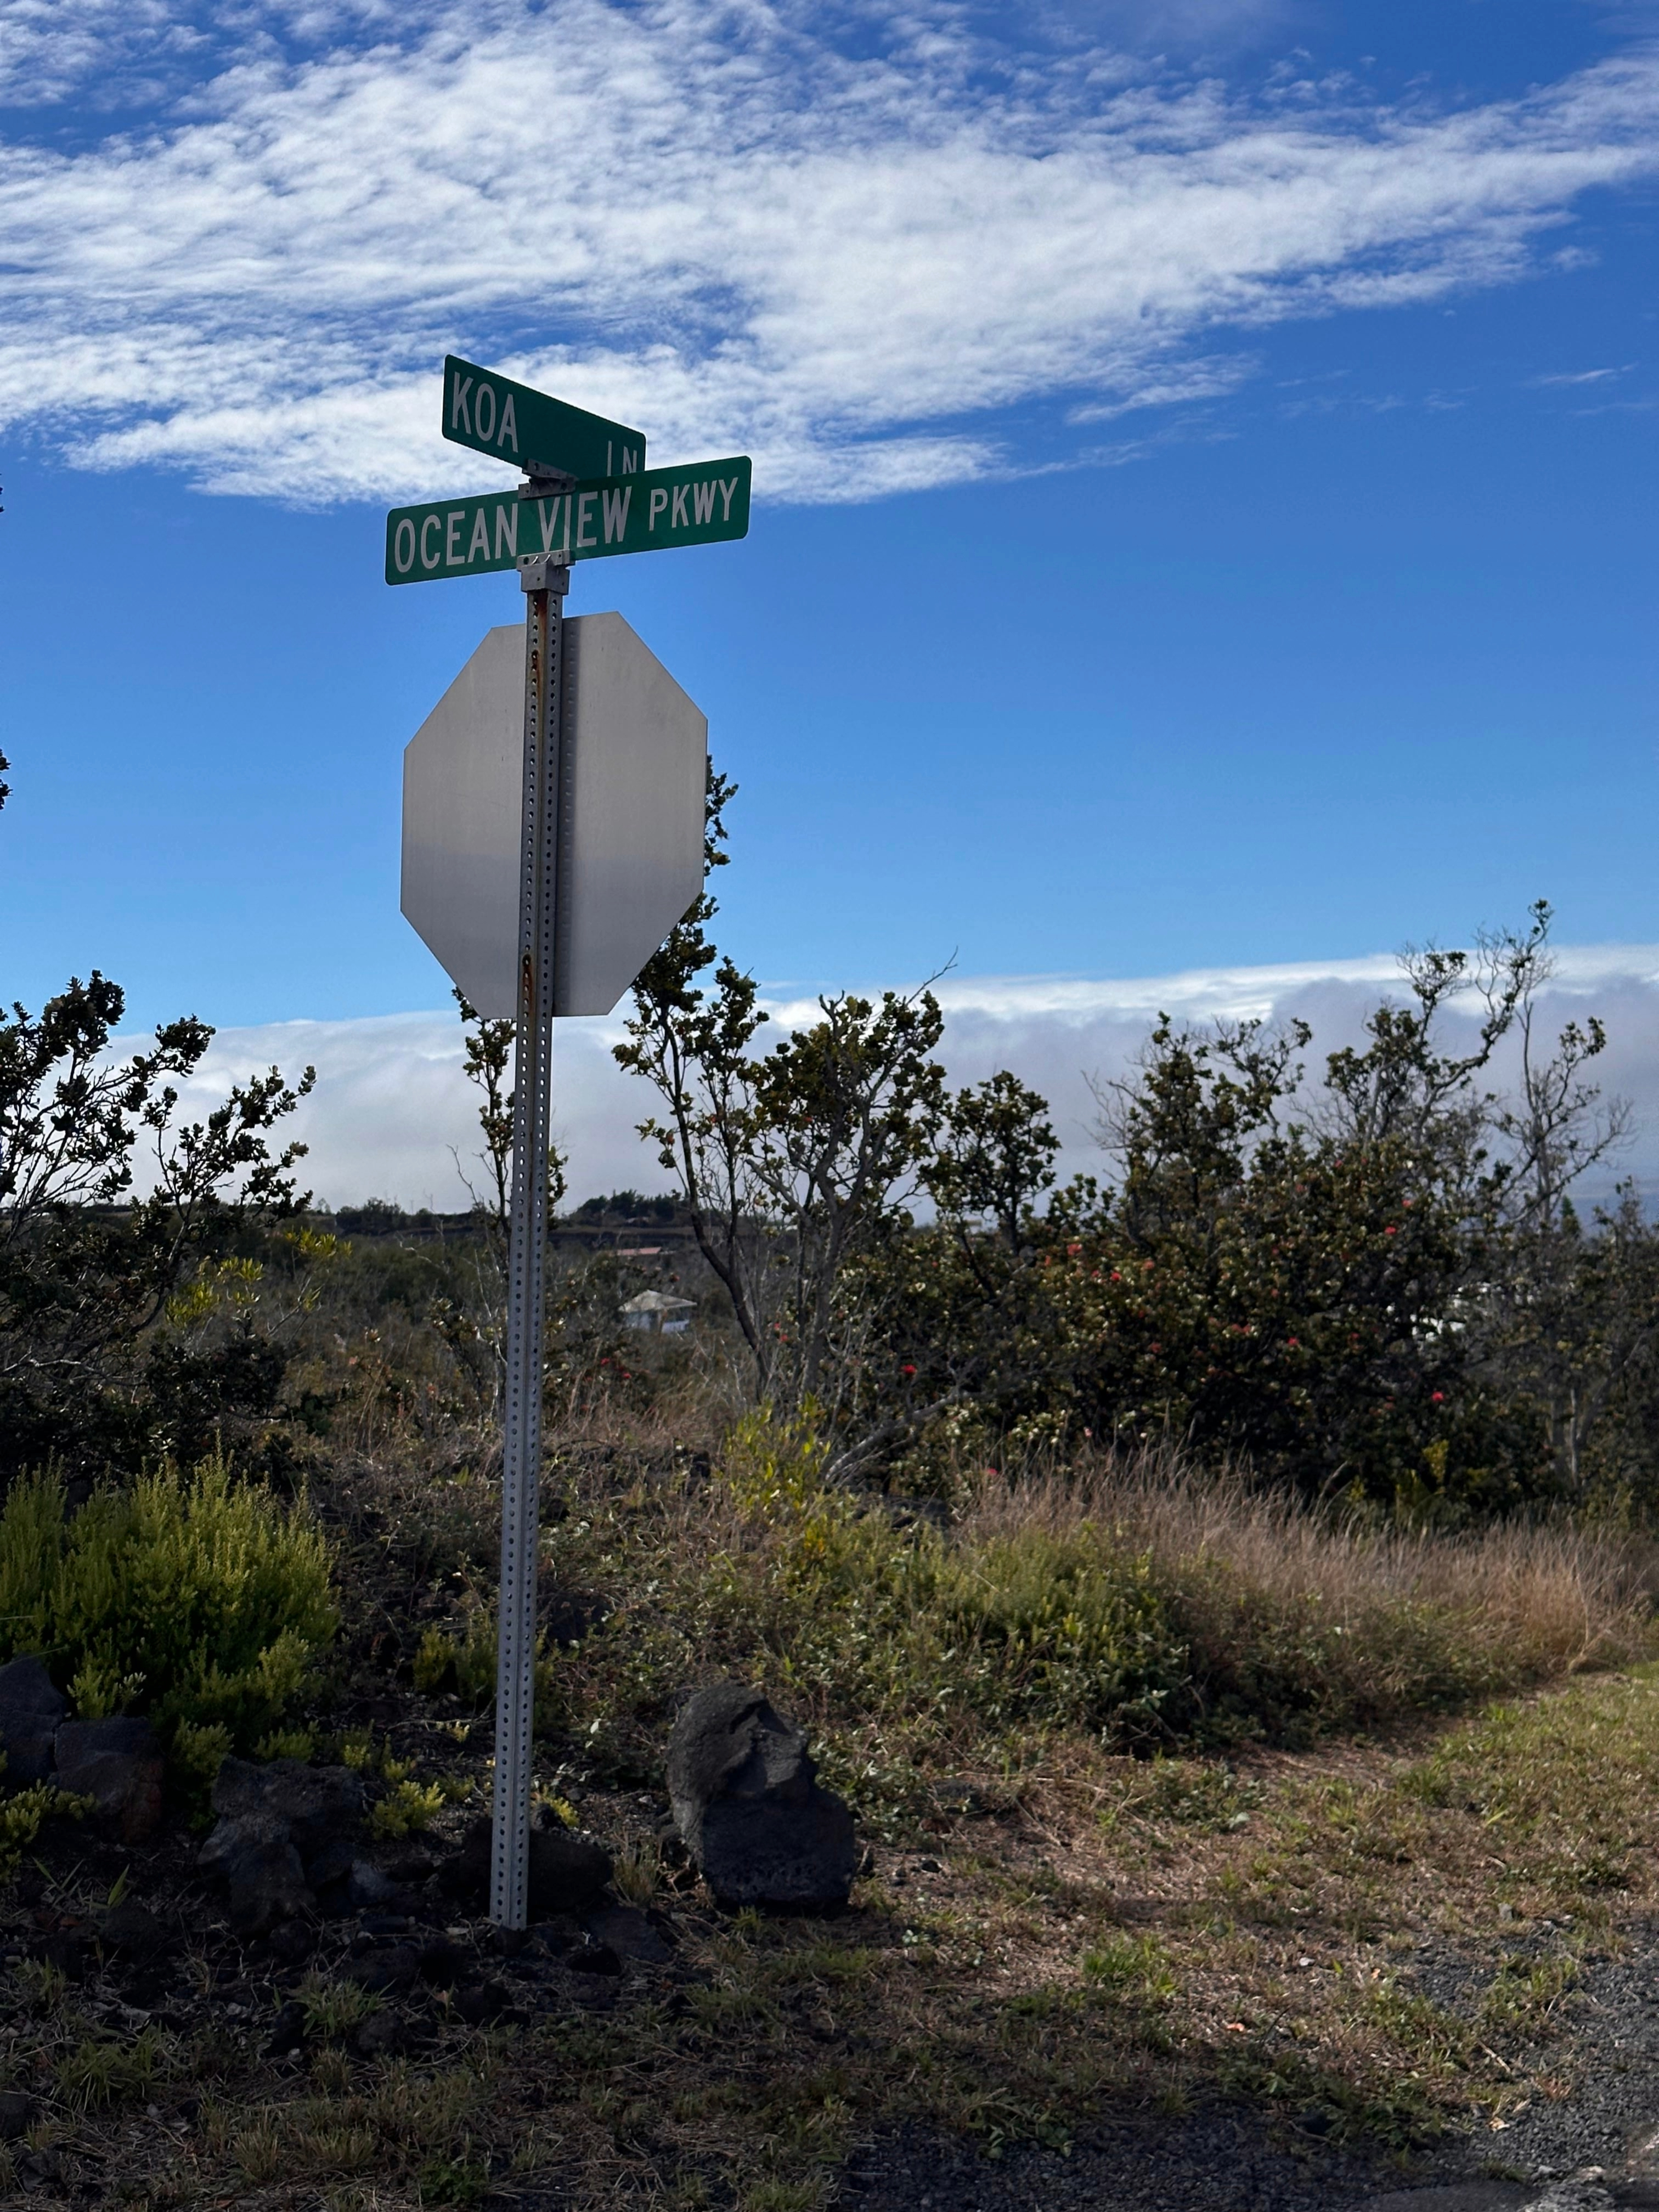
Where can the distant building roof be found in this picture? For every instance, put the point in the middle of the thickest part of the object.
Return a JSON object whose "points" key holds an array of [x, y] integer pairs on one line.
{"points": [[656, 1301]]}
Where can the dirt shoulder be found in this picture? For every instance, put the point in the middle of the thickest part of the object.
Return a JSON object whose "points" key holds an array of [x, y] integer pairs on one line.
{"points": [[1280, 1980]]}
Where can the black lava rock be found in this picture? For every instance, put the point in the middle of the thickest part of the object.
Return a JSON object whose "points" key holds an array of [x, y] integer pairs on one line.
{"points": [[381, 2036], [30, 1710], [132, 1931], [631, 1933], [593, 1959], [566, 1872], [382, 1971], [444, 1964], [117, 1762], [481, 2003], [254, 1858], [288, 2033], [293, 1941], [17, 2114], [748, 1804], [283, 1828], [316, 1802]]}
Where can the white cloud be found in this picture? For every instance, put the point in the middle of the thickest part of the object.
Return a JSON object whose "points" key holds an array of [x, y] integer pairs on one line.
{"points": [[1583, 376], [713, 220], [392, 1111]]}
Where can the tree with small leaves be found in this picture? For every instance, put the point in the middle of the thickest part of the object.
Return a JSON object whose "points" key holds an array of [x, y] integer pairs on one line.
{"points": [[89, 1259]]}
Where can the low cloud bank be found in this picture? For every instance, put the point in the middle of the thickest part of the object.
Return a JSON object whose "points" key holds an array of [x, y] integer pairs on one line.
{"points": [[393, 1117]]}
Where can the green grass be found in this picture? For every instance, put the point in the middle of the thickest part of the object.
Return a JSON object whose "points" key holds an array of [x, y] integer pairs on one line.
{"points": [[1210, 1919], [1002, 1994]]}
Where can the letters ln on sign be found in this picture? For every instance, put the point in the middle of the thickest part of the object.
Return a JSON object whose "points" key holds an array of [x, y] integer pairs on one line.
{"points": [[513, 422], [697, 503], [586, 766]]}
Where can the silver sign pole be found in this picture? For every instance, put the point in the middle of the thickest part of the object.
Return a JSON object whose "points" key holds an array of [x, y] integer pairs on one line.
{"points": [[545, 579]]}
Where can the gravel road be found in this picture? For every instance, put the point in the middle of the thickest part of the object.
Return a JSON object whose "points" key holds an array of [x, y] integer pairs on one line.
{"points": [[1592, 2150]]}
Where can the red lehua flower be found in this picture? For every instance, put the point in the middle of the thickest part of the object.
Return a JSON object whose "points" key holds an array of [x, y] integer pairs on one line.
{"points": [[908, 1370], [1295, 1343], [1437, 1397], [1391, 1232], [1116, 1278]]}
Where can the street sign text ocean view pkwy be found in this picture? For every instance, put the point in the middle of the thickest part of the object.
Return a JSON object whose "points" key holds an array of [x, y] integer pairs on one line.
{"points": [[697, 503], [609, 787], [515, 422]]}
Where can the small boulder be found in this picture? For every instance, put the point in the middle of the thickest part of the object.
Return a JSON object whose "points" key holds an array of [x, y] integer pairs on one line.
{"points": [[133, 1932], [280, 1836], [382, 2035], [17, 2114], [332, 1860], [480, 2004], [259, 1865], [409, 1862], [292, 1942], [383, 1973], [367, 1889], [315, 1802], [566, 1872], [31, 1708], [624, 1928], [747, 1802], [117, 1762], [590, 1958]]}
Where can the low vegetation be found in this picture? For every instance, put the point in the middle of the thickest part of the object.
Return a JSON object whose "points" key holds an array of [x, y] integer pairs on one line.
{"points": [[203, 1603], [1342, 1902], [1223, 1590]]}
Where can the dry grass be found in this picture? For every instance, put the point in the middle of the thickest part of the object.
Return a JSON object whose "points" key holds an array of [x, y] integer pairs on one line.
{"points": [[1534, 1602]]}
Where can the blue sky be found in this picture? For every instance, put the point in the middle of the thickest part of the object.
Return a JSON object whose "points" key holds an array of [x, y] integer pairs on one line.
{"points": [[1204, 466]]}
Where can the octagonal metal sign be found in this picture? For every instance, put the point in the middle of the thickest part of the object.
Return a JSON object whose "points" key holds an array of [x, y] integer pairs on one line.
{"points": [[635, 752]]}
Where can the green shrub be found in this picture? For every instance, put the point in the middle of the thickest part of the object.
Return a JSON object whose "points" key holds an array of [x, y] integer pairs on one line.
{"points": [[460, 1654], [202, 1601], [411, 1806], [105, 2070], [334, 2009], [1026, 1626], [1078, 1621], [21, 1816]]}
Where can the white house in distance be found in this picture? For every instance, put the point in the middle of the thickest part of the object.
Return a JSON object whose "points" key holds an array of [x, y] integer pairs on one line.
{"points": [[657, 1311]]}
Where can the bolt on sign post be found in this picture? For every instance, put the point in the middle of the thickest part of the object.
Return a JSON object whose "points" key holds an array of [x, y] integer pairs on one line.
{"points": [[608, 786]]}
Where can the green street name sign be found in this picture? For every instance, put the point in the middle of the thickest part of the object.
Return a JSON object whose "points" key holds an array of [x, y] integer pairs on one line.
{"points": [[513, 422], [699, 504]]}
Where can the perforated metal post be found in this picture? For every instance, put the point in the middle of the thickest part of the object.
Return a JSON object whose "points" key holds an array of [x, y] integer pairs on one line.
{"points": [[544, 581]]}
